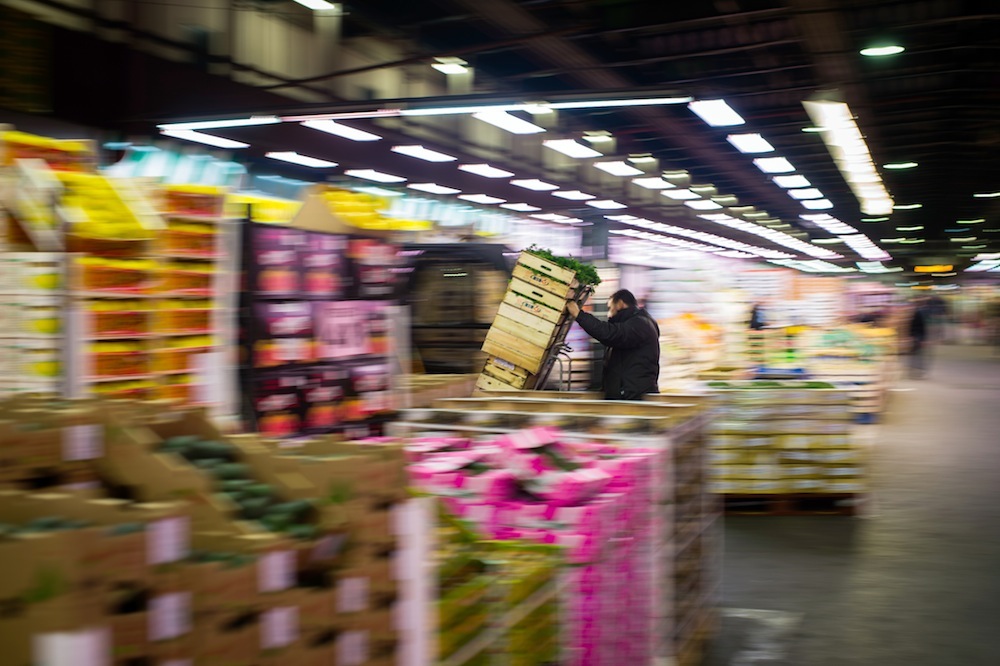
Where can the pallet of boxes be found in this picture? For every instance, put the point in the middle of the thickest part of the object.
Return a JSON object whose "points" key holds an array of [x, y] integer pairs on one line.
{"points": [[531, 322]]}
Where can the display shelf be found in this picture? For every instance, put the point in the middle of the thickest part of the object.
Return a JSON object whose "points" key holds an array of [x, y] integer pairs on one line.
{"points": [[118, 378]]}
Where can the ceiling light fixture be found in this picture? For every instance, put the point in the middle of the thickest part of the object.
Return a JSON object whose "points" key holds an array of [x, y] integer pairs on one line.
{"points": [[702, 204], [450, 65], [850, 153], [598, 136], [773, 165], [750, 143], [680, 195], [817, 204], [433, 188], [986, 195], [791, 181], [507, 122], [874, 219], [520, 207], [481, 199], [252, 121], [378, 191], [317, 5], [207, 139], [301, 160], [716, 113], [606, 204], [979, 220], [573, 195], [571, 148], [485, 170], [881, 51], [377, 176], [422, 153], [916, 228], [907, 206], [618, 168], [805, 193], [653, 183], [900, 165], [534, 184], [337, 129]]}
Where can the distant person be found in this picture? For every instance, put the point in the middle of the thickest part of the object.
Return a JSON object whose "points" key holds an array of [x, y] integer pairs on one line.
{"points": [[632, 341], [757, 321], [919, 332]]}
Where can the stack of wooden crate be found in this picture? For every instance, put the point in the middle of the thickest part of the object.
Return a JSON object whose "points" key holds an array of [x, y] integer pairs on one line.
{"points": [[530, 324]]}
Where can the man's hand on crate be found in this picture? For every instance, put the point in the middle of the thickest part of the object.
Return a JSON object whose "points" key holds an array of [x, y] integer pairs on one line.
{"points": [[573, 308]]}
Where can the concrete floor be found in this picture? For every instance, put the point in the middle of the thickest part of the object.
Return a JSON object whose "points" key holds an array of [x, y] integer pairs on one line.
{"points": [[917, 580]]}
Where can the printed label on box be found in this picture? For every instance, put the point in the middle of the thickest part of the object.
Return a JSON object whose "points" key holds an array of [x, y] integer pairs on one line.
{"points": [[352, 648], [279, 627], [352, 595], [169, 616], [275, 571], [83, 442], [168, 540]]}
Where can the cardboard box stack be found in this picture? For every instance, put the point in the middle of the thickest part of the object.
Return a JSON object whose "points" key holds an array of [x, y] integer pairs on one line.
{"points": [[528, 323], [785, 438], [632, 515]]}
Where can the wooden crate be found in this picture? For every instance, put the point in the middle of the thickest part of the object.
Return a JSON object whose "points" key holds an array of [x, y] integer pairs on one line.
{"points": [[538, 294], [560, 289], [528, 306], [525, 332], [487, 383], [546, 267], [514, 350], [508, 373]]}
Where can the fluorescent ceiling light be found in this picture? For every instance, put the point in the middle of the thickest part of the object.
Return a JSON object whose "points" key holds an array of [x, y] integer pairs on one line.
{"points": [[534, 184], [989, 256], [642, 159], [818, 204], [962, 239], [377, 176], [805, 193], [874, 219], [571, 148], [450, 67], [726, 200], [520, 207], [750, 143], [773, 165], [343, 131], [680, 195], [552, 217], [653, 183], [618, 168], [702, 204], [813, 129], [976, 221], [573, 195], [755, 215], [600, 136], [973, 247], [878, 51], [828, 241], [303, 160], [917, 228], [422, 153], [481, 198], [986, 195], [614, 103], [207, 139], [219, 124], [716, 113], [317, 5], [378, 191], [433, 188], [606, 204], [507, 122], [900, 165], [907, 206], [485, 170]]}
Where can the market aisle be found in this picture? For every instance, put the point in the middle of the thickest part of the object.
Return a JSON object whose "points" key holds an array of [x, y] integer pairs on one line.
{"points": [[918, 581]]}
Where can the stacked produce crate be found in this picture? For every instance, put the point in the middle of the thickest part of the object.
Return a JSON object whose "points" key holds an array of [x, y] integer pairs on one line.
{"points": [[642, 551], [787, 447], [530, 324], [31, 307], [220, 550]]}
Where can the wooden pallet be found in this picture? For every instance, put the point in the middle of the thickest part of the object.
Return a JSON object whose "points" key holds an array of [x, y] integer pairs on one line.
{"points": [[793, 504]]}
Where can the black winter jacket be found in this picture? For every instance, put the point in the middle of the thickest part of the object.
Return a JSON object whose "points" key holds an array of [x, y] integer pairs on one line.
{"points": [[632, 357]]}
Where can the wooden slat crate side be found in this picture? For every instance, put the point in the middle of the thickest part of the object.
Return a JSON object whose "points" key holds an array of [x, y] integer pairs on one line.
{"points": [[537, 294], [499, 371], [512, 356], [530, 335], [546, 267], [560, 289], [528, 306], [487, 383], [523, 347]]}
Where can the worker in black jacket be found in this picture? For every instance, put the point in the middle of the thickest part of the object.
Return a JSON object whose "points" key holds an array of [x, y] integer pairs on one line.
{"points": [[632, 338]]}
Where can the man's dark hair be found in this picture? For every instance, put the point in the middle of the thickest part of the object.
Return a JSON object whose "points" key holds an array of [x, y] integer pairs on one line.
{"points": [[626, 297]]}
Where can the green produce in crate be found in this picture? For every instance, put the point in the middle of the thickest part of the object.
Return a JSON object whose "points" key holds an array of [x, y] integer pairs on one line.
{"points": [[236, 485], [255, 507], [305, 532], [585, 273], [276, 522], [230, 471], [258, 489], [207, 464]]}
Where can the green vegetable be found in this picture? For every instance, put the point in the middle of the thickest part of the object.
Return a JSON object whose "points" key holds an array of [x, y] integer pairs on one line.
{"points": [[585, 273], [230, 471], [303, 531]]}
